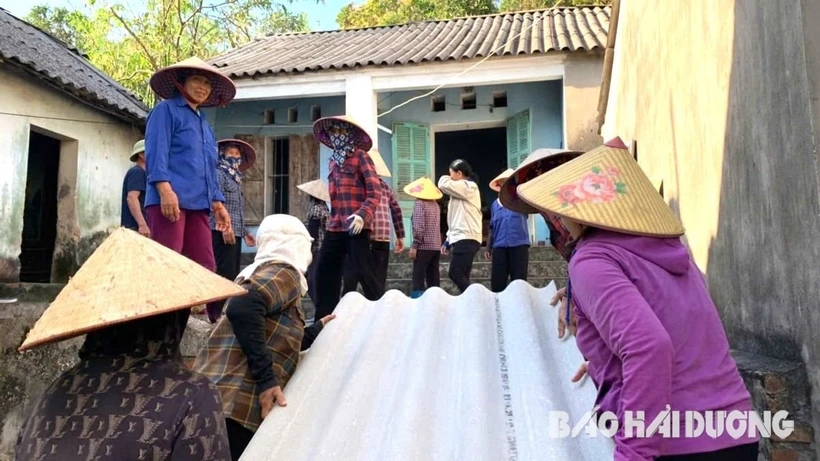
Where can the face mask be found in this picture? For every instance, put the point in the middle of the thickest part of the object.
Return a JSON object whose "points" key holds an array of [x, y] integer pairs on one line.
{"points": [[342, 144], [560, 237]]}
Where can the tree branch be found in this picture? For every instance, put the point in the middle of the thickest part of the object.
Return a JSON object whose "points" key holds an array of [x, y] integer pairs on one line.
{"points": [[137, 39]]}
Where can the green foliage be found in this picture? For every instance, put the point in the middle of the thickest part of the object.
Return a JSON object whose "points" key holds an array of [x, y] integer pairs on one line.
{"points": [[523, 5], [130, 46]]}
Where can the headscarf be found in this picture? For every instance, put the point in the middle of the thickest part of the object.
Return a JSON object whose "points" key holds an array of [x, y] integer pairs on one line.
{"points": [[282, 238], [342, 145], [560, 238], [230, 165]]}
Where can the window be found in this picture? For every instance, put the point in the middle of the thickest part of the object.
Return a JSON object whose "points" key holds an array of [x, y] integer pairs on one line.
{"points": [[293, 115], [270, 117], [468, 101], [279, 178], [500, 99], [315, 113], [438, 104]]}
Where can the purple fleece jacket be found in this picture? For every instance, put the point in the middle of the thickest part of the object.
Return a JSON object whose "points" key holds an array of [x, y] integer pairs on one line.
{"points": [[653, 337]]}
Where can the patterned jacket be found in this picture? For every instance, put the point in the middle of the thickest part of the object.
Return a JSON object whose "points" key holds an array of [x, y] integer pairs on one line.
{"points": [[387, 210], [270, 314], [354, 189]]}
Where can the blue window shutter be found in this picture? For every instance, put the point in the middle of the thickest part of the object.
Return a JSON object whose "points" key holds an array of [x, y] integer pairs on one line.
{"points": [[519, 144], [411, 160]]}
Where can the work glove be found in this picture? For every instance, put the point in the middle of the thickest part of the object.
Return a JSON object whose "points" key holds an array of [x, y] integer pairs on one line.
{"points": [[356, 224]]}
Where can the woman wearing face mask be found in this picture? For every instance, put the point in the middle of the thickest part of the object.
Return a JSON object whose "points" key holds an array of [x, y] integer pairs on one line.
{"points": [[235, 158], [464, 221], [646, 322]]}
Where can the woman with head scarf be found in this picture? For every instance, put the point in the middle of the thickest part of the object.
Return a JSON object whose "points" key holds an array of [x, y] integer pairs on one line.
{"points": [[646, 322], [464, 221], [235, 157], [130, 396], [254, 350], [181, 158]]}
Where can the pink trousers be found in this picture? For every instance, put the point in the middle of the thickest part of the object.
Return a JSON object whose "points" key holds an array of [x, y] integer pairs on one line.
{"points": [[190, 236]]}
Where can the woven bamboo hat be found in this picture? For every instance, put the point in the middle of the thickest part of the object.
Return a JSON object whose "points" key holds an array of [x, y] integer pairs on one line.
{"points": [[248, 152], [128, 277], [378, 162], [139, 148], [495, 184], [537, 163], [316, 188], [423, 189], [164, 81], [323, 126], [604, 188]]}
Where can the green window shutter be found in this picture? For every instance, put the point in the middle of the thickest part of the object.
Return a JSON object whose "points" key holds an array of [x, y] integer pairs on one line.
{"points": [[411, 160], [519, 145]]}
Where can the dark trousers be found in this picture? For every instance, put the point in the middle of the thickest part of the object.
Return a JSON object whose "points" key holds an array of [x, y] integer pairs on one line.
{"points": [[380, 252], [426, 268], [239, 437], [461, 263], [228, 259], [311, 277], [509, 263], [746, 452], [335, 248]]}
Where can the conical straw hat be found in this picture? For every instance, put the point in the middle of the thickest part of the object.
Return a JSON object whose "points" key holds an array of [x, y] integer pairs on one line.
{"points": [[495, 184], [423, 189], [361, 140], [604, 188], [537, 163], [163, 81], [128, 277], [316, 188], [247, 151], [378, 162]]}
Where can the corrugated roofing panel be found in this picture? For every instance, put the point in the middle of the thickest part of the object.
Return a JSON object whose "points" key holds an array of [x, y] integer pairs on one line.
{"points": [[522, 33], [439, 378]]}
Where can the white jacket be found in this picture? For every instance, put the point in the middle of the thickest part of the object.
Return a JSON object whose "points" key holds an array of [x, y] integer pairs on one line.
{"points": [[464, 220]]}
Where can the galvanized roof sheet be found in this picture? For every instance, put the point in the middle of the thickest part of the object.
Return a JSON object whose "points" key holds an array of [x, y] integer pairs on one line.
{"points": [[443, 378], [522, 33], [51, 59]]}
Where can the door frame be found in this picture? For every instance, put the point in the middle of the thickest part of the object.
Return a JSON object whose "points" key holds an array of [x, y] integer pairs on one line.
{"points": [[457, 126]]}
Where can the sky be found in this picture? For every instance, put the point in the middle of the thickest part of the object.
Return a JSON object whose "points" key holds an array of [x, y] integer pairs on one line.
{"points": [[321, 15]]}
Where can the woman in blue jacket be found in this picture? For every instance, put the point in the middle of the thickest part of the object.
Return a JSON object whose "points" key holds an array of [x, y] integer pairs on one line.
{"points": [[509, 242]]}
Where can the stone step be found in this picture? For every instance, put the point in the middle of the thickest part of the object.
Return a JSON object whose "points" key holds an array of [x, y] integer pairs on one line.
{"points": [[481, 270], [541, 253]]}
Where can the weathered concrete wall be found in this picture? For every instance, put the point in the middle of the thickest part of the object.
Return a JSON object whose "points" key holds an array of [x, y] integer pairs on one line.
{"points": [[717, 97], [582, 86], [94, 157]]}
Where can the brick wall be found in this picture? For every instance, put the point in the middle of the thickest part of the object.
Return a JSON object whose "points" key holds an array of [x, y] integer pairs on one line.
{"points": [[780, 385]]}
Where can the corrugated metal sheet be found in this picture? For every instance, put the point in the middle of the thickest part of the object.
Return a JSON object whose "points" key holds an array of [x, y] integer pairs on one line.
{"points": [[555, 30], [64, 67], [439, 378]]}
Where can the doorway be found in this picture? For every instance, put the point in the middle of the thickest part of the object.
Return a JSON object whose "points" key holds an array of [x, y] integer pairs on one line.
{"points": [[485, 150], [40, 212]]}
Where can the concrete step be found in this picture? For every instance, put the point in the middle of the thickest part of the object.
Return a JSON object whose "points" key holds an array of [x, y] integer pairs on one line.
{"points": [[544, 253], [482, 269]]}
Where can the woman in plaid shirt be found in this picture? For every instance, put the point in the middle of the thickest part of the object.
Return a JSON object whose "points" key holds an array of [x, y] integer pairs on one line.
{"points": [[426, 249], [316, 222], [235, 158]]}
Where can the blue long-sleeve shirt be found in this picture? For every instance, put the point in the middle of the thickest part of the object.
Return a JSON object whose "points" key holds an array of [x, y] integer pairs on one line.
{"points": [[180, 148], [507, 228]]}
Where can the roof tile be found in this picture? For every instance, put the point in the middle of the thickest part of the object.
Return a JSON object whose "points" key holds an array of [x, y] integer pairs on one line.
{"points": [[521, 33]]}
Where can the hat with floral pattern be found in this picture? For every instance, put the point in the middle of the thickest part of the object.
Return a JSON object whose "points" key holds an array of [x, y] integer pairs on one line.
{"points": [[538, 162], [423, 189], [607, 189]]}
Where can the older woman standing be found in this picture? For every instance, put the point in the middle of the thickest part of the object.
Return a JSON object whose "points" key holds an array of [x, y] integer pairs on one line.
{"points": [[181, 157], [646, 322], [235, 157]]}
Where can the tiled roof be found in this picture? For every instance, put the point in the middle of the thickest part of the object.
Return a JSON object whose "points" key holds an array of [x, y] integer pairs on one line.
{"points": [[544, 31], [439, 378], [47, 57]]}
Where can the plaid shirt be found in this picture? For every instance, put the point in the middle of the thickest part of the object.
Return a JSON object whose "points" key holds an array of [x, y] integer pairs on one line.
{"points": [[234, 202], [388, 207], [318, 211], [226, 365], [354, 189], [426, 225]]}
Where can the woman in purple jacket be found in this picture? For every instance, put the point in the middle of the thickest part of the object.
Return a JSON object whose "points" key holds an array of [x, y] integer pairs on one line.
{"points": [[646, 322]]}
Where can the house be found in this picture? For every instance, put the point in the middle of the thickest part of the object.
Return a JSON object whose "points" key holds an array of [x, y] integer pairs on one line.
{"points": [[66, 131], [475, 377], [505, 84], [721, 102]]}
